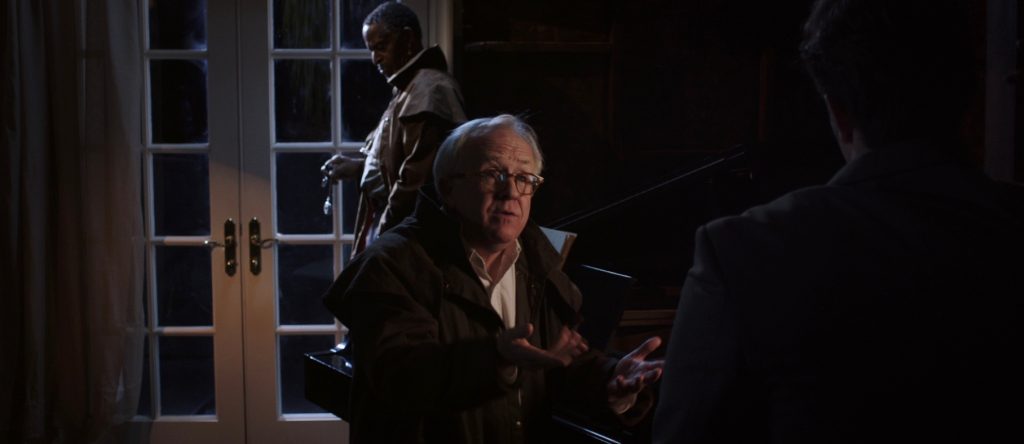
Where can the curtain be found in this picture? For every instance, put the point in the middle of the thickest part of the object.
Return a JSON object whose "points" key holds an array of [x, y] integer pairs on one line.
{"points": [[72, 245]]}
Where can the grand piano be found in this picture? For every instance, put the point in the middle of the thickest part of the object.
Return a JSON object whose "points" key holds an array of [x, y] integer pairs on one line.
{"points": [[629, 269]]}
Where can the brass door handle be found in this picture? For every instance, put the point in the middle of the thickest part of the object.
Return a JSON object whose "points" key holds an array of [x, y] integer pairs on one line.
{"points": [[256, 243], [230, 247]]}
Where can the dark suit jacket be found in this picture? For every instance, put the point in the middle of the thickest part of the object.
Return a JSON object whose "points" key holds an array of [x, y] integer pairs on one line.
{"points": [[883, 306]]}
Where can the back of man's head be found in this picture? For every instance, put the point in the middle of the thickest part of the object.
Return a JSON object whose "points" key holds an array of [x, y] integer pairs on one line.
{"points": [[393, 17], [901, 69]]}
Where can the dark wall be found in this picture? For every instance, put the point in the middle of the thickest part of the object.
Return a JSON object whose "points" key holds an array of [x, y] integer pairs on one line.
{"points": [[1015, 77], [625, 95]]}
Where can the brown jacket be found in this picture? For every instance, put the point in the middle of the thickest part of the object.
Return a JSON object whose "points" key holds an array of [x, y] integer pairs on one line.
{"points": [[426, 105], [423, 333]]}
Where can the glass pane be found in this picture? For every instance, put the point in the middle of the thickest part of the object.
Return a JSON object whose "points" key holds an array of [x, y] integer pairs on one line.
{"points": [[181, 194], [178, 93], [302, 24], [293, 380], [304, 273], [349, 205], [183, 286], [364, 97], [186, 375], [300, 198], [177, 24], [352, 14], [302, 95], [145, 398]]}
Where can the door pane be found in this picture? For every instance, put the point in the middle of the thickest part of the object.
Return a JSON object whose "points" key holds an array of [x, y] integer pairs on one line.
{"points": [[177, 24], [302, 95], [304, 273], [353, 12], [186, 375], [350, 205], [178, 107], [293, 380], [183, 287], [302, 24], [364, 97], [300, 196], [181, 195], [145, 397]]}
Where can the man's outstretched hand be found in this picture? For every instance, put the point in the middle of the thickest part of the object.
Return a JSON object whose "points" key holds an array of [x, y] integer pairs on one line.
{"points": [[516, 350], [632, 374]]}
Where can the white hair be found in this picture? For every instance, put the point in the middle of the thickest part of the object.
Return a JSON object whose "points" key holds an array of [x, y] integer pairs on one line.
{"points": [[447, 162]]}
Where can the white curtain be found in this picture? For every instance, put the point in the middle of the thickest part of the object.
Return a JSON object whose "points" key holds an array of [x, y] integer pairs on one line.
{"points": [[72, 244]]}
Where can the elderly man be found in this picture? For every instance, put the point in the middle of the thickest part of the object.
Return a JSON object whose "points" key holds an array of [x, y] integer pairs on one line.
{"points": [[460, 319], [884, 306], [399, 153]]}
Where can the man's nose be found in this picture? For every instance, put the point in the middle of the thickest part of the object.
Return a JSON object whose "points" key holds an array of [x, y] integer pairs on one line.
{"points": [[507, 189]]}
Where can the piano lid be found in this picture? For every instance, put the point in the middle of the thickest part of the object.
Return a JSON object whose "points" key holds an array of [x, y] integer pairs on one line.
{"points": [[648, 233]]}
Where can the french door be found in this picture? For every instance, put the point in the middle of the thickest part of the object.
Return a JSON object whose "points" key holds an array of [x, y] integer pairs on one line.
{"points": [[245, 100]]}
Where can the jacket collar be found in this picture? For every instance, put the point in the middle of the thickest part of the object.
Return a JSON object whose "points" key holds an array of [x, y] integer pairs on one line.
{"points": [[429, 58], [438, 232], [892, 161], [443, 241]]}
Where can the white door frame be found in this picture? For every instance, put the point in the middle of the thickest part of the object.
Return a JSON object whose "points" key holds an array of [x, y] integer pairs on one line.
{"points": [[264, 421]]}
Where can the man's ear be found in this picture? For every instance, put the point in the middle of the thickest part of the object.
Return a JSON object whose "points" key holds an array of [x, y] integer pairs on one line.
{"points": [[842, 124], [409, 41]]}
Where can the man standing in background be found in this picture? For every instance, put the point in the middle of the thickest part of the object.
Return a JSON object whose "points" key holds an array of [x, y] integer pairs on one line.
{"points": [[399, 153]]}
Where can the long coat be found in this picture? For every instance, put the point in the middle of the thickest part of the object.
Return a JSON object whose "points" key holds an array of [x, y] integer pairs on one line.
{"points": [[424, 338], [885, 306], [426, 105]]}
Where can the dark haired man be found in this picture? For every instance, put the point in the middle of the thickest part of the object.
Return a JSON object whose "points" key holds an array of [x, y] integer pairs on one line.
{"points": [[884, 306], [425, 106]]}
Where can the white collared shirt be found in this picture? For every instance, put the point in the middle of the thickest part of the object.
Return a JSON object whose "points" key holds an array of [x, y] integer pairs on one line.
{"points": [[502, 291]]}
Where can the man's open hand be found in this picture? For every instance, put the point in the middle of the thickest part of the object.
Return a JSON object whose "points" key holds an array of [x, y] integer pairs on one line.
{"points": [[516, 350], [632, 374]]}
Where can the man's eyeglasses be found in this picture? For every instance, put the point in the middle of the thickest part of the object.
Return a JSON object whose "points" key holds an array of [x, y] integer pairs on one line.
{"points": [[526, 184]]}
